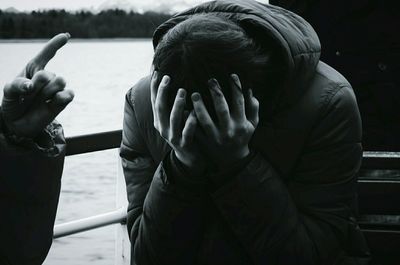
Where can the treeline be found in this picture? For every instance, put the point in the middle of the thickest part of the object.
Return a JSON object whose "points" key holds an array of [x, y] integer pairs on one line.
{"points": [[106, 24]]}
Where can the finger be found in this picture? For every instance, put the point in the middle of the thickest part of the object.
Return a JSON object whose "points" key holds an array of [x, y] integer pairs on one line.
{"points": [[220, 105], [252, 108], [189, 129], [50, 50], [237, 104], [153, 95], [57, 84], [18, 87], [153, 88], [41, 79], [59, 101], [203, 116], [161, 107], [177, 114], [186, 115]]}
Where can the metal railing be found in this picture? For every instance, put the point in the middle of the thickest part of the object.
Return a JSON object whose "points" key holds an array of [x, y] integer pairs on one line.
{"points": [[83, 144], [381, 160], [112, 139], [90, 223]]}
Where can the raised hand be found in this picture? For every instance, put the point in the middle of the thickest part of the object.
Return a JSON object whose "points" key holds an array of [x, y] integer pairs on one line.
{"points": [[227, 142], [174, 127], [36, 97]]}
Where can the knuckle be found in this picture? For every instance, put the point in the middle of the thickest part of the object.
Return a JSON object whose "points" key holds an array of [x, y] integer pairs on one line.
{"points": [[256, 103], [230, 134], [8, 88], [256, 121], [41, 74], [42, 77], [158, 108], [240, 101], [241, 130], [207, 126], [224, 112], [227, 134], [218, 93], [60, 82]]}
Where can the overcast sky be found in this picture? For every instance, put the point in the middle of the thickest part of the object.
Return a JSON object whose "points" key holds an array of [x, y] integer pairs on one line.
{"points": [[24, 5]]}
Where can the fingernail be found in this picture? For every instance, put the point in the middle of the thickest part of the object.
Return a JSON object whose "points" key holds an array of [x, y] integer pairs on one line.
{"points": [[235, 79], [68, 35], [195, 96], [213, 83], [182, 93], [165, 80]]}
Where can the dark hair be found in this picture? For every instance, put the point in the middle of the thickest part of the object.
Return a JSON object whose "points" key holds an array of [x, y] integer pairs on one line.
{"points": [[208, 46]]}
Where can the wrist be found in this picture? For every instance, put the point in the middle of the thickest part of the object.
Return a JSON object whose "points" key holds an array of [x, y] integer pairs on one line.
{"points": [[43, 140], [225, 174], [195, 167], [234, 157]]}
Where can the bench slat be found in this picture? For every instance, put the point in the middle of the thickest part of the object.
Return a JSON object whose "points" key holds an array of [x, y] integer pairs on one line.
{"points": [[379, 197], [384, 245]]}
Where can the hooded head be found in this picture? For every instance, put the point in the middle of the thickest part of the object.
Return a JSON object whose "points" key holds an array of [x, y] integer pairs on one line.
{"points": [[273, 51], [208, 46]]}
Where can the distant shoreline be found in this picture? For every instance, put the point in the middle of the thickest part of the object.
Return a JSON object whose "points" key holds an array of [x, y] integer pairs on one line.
{"points": [[75, 40]]}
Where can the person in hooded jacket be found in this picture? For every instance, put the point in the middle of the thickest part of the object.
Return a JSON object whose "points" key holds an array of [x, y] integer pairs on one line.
{"points": [[32, 150], [241, 147]]}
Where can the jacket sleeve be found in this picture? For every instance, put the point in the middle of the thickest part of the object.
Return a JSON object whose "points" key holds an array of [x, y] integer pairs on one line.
{"points": [[30, 181], [308, 219], [164, 213]]}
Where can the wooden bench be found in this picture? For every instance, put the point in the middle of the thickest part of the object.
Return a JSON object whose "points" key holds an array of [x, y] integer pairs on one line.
{"points": [[379, 206]]}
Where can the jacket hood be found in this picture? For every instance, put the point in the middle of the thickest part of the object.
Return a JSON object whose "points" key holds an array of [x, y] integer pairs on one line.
{"points": [[297, 40]]}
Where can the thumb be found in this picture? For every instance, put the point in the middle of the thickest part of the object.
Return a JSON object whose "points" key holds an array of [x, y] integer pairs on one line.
{"points": [[252, 108], [40, 61], [18, 87]]}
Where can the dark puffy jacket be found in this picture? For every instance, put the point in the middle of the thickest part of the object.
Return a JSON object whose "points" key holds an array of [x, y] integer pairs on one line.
{"points": [[360, 39], [295, 200], [30, 181]]}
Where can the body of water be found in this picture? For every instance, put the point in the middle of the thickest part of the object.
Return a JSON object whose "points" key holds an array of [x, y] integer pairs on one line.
{"points": [[100, 73]]}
